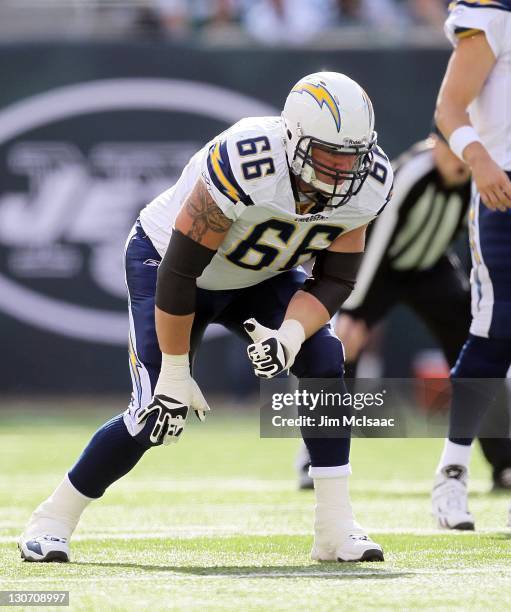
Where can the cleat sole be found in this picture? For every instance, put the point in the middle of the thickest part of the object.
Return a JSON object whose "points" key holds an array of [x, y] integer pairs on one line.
{"points": [[54, 556], [371, 555], [464, 527]]}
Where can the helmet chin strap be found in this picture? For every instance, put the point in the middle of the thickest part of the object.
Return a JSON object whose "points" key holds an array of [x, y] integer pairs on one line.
{"points": [[309, 176], [320, 189], [316, 199]]}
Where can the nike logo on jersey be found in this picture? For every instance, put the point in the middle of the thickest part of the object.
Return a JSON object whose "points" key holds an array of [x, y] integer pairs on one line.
{"points": [[311, 219]]}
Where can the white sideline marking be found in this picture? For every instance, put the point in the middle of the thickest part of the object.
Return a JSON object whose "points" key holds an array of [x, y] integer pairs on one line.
{"points": [[221, 532]]}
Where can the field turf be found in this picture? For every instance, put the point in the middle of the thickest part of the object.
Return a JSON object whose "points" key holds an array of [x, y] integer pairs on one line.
{"points": [[216, 523]]}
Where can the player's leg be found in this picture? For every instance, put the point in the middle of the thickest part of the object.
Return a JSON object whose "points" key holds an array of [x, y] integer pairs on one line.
{"points": [[365, 309], [480, 358], [113, 450], [495, 232], [338, 536], [442, 300], [486, 354], [118, 445]]}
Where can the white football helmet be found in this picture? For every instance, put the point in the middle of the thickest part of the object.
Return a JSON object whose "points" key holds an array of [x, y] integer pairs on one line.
{"points": [[330, 111]]}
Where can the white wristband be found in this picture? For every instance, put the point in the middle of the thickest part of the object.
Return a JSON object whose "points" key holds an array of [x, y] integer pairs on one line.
{"points": [[173, 368], [293, 334], [175, 360], [461, 138]]}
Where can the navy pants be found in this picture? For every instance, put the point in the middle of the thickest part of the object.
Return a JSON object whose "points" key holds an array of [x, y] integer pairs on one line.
{"points": [[487, 351], [320, 356]]}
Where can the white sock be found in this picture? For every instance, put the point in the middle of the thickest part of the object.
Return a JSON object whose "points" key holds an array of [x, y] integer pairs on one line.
{"points": [[454, 454], [332, 471], [59, 514], [332, 494], [333, 516]]}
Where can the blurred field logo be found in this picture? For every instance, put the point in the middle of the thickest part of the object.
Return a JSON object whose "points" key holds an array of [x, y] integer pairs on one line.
{"points": [[76, 165]]}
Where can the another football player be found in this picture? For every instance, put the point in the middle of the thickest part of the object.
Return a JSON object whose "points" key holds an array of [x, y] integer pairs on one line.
{"points": [[474, 114], [224, 245]]}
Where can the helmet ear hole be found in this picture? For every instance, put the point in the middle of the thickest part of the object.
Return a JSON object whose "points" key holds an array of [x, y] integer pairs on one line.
{"points": [[289, 135]]}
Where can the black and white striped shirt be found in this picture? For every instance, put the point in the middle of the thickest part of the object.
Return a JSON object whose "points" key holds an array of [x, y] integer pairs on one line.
{"points": [[418, 225]]}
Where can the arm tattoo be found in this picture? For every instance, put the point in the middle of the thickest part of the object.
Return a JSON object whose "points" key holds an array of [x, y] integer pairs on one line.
{"points": [[206, 215]]}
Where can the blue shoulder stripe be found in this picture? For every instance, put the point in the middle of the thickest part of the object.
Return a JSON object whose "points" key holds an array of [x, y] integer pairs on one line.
{"points": [[219, 168]]}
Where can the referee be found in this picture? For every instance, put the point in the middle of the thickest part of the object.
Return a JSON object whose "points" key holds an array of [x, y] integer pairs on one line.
{"points": [[408, 260]]}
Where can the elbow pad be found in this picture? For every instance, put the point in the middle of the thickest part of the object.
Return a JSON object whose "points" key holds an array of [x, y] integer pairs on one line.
{"points": [[333, 278], [176, 286]]}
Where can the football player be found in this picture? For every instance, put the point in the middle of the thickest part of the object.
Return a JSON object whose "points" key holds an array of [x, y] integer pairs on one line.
{"points": [[224, 245], [408, 260], [473, 113]]}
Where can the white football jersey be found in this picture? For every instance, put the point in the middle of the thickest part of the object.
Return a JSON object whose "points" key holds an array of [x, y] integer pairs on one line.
{"points": [[490, 112], [246, 172]]}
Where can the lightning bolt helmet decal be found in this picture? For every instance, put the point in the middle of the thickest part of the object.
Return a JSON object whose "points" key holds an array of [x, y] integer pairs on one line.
{"points": [[323, 97]]}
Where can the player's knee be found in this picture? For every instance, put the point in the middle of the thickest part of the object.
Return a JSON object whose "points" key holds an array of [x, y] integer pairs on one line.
{"points": [[143, 437], [321, 357], [141, 433]]}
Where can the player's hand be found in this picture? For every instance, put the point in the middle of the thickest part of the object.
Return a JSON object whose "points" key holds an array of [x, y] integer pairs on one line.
{"points": [[273, 350], [491, 181], [175, 393]]}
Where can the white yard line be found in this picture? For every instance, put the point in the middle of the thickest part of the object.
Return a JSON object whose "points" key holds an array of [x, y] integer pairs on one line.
{"points": [[199, 531]]}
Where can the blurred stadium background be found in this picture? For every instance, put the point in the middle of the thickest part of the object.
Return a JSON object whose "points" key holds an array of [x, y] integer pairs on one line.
{"points": [[103, 102], [101, 105]]}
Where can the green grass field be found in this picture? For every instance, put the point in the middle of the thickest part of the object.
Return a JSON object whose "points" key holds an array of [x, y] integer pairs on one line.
{"points": [[216, 522]]}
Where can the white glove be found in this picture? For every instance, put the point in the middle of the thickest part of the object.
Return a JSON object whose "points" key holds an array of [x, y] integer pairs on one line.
{"points": [[175, 393], [273, 350]]}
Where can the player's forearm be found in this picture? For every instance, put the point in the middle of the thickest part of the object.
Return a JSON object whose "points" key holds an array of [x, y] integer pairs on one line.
{"points": [[173, 332], [333, 280], [450, 115], [467, 71], [308, 311]]}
